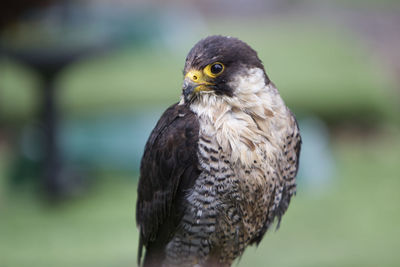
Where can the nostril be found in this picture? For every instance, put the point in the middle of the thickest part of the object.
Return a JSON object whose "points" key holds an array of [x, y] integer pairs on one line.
{"points": [[194, 77]]}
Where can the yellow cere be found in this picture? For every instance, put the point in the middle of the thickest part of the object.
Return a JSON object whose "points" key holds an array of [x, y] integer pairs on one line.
{"points": [[195, 75]]}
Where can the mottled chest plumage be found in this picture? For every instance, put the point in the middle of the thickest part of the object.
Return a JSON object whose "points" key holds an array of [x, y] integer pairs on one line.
{"points": [[228, 201], [234, 200]]}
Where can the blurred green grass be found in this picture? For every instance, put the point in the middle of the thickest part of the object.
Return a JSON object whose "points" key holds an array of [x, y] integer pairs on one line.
{"points": [[318, 69], [354, 223]]}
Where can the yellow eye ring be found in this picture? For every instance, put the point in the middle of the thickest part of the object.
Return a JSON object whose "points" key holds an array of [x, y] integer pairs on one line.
{"points": [[215, 69]]}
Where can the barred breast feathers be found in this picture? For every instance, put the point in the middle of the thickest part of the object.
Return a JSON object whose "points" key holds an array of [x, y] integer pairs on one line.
{"points": [[251, 126]]}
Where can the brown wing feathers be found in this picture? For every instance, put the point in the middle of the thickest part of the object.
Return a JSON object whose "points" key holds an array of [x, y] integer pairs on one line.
{"points": [[168, 169]]}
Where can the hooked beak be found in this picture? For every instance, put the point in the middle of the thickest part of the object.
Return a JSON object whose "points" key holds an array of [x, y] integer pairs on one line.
{"points": [[189, 87], [195, 82]]}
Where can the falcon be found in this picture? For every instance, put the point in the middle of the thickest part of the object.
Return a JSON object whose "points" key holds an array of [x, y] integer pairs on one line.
{"points": [[220, 165]]}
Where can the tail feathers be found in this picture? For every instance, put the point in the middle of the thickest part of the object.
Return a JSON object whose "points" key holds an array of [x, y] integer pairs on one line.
{"points": [[140, 250], [154, 255]]}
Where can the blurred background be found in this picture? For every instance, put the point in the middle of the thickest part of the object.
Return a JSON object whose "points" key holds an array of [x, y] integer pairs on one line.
{"points": [[82, 83]]}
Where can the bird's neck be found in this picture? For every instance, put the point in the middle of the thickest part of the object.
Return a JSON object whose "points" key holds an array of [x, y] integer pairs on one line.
{"points": [[246, 122]]}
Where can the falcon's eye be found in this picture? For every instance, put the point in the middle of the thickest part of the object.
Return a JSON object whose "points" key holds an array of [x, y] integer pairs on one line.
{"points": [[214, 69]]}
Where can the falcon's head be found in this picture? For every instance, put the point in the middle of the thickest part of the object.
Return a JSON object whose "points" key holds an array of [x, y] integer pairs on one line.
{"points": [[214, 65]]}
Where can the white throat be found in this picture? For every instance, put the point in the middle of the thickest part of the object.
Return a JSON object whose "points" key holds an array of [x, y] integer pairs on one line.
{"points": [[244, 125]]}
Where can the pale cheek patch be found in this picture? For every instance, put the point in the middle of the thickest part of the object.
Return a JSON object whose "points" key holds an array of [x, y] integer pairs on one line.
{"points": [[251, 82]]}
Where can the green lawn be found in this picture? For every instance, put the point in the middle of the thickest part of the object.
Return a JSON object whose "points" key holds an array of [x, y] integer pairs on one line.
{"points": [[354, 223], [319, 70]]}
